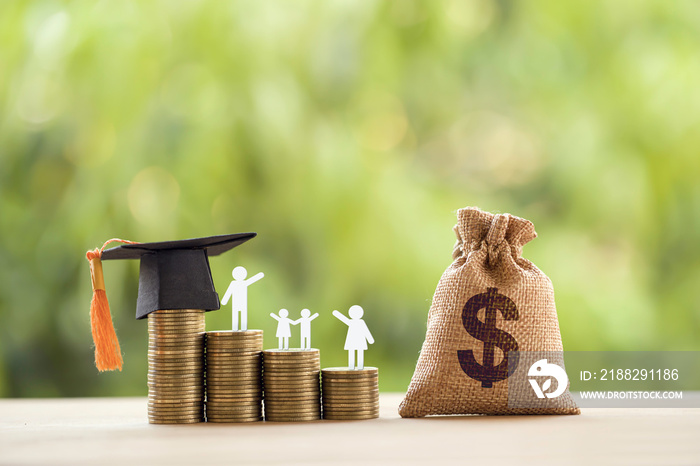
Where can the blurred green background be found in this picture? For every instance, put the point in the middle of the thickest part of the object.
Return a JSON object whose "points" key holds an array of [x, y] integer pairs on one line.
{"points": [[346, 133]]}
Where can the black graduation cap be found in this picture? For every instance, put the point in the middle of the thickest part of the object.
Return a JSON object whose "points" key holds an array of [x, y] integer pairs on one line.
{"points": [[176, 274]]}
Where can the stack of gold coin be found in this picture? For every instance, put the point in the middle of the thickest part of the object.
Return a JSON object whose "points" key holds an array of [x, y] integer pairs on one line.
{"points": [[291, 385], [234, 376], [350, 394], [176, 366]]}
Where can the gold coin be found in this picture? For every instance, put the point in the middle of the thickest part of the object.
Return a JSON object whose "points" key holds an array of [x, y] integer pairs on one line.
{"points": [[251, 348], [350, 393], [153, 404], [292, 418], [170, 421], [232, 391], [292, 412], [199, 336], [233, 416], [350, 381], [350, 418], [289, 359], [349, 386], [175, 375], [177, 323], [234, 374], [171, 345], [234, 419], [293, 399], [274, 390], [184, 392], [229, 410], [297, 382], [172, 386], [290, 365], [176, 413], [172, 331], [176, 320], [233, 384], [335, 400], [358, 411], [292, 351], [250, 401], [295, 387], [288, 362], [235, 397], [175, 419], [310, 370], [182, 367], [175, 394], [234, 343], [274, 402], [165, 381], [277, 407], [170, 409], [233, 363], [351, 406], [301, 376], [235, 333], [233, 409], [347, 371], [175, 399]]}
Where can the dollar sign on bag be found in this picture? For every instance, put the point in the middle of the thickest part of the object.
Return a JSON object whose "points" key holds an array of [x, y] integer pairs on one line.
{"points": [[492, 301]]}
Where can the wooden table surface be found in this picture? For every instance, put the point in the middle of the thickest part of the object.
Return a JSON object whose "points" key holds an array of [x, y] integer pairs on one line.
{"points": [[100, 431]]}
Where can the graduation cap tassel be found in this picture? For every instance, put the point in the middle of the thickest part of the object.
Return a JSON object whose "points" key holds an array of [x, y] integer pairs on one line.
{"points": [[108, 355]]}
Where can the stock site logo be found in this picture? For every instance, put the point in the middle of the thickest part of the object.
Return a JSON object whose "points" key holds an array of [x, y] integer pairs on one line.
{"points": [[543, 368]]}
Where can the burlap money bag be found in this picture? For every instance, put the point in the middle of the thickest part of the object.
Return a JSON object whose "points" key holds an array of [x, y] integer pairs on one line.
{"points": [[487, 267]]}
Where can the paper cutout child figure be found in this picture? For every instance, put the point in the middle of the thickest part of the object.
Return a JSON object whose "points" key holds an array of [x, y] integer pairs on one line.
{"points": [[238, 292], [284, 330], [358, 336], [305, 321]]}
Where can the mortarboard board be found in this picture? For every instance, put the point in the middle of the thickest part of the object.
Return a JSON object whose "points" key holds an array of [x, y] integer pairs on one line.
{"points": [[172, 275], [176, 274]]}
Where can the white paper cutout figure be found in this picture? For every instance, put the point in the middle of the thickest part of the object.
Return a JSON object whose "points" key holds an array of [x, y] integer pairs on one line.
{"points": [[284, 329], [305, 321], [238, 293], [358, 336]]}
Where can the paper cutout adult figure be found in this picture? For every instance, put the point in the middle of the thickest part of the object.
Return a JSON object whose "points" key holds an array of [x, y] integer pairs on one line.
{"points": [[358, 336], [305, 324], [284, 330], [238, 293]]}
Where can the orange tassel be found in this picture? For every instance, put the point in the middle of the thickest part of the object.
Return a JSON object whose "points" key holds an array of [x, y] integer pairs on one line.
{"points": [[108, 354]]}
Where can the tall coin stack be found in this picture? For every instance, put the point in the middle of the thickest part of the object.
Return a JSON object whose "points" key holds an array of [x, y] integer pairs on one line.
{"points": [[234, 376], [350, 394], [291, 385], [176, 366]]}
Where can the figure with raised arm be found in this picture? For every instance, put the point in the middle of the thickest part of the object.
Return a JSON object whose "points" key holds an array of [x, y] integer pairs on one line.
{"points": [[305, 321], [237, 292], [284, 329], [358, 336]]}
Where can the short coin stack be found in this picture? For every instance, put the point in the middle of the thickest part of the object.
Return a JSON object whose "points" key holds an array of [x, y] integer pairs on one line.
{"points": [[234, 376], [291, 385], [176, 366], [350, 394]]}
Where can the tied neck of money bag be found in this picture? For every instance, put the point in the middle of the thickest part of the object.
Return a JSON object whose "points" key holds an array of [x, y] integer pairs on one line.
{"points": [[108, 355], [497, 242]]}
